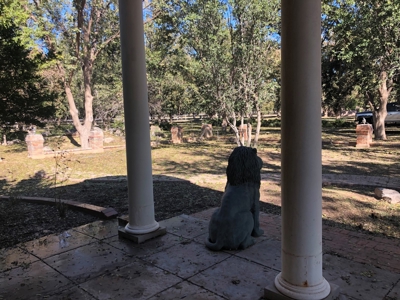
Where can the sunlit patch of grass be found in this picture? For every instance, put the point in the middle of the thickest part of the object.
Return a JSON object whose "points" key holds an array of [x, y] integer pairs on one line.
{"points": [[361, 211]]}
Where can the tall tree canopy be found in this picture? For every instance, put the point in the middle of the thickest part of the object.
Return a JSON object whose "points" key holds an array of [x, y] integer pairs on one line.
{"points": [[221, 53], [361, 50]]}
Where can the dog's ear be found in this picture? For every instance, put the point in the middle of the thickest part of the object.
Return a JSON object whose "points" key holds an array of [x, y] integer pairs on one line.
{"points": [[254, 150]]}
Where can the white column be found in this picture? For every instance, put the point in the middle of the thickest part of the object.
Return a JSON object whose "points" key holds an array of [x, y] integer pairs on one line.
{"points": [[301, 276], [137, 131]]}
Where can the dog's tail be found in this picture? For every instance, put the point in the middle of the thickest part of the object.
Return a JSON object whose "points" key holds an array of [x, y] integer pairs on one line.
{"points": [[213, 246]]}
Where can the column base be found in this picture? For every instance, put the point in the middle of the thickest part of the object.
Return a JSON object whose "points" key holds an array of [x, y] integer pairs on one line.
{"points": [[142, 229], [141, 238], [272, 293], [138, 238]]}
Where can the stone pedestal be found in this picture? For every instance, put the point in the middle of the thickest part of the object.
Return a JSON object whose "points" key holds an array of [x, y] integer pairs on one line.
{"points": [[35, 145], [364, 135], [206, 131], [96, 139], [176, 134]]}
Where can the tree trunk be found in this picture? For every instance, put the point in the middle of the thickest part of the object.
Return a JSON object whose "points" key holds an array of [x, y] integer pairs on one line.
{"points": [[255, 144], [379, 122], [241, 130], [248, 132], [380, 114], [234, 128], [82, 129], [87, 125]]}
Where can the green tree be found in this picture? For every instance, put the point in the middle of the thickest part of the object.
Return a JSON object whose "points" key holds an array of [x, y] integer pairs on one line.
{"points": [[252, 26], [24, 95], [222, 52], [107, 84], [171, 90], [362, 44]]}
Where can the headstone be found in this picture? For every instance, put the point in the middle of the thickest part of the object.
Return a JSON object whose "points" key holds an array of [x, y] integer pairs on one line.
{"points": [[96, 138], [206, 131], [364, 135], [176, 134], [154, 129], [108, 140], [224, 125], [35, 145], [243, 131], [388, 195]]}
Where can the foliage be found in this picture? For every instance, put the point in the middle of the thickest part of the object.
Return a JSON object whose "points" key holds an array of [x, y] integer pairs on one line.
{"points": [[275, 122], [107, 84], [165, 126], [168, 64], [337, 123]]}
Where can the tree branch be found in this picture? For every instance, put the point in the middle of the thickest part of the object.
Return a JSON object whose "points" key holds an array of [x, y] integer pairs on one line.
{"points": [[105, 43], [152, 18]]}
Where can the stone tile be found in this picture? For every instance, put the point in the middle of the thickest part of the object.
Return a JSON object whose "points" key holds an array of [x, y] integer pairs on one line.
{"points": [[55, 244], [32, 282], [186, 290], [201, 239], [186, 259], [15, 257], [358, 280], [236, 278], [205, 214], [394, 293], [185, 226], [100, 229], [147, 248], [88, 261], [138, 280], [264, 252], [73, 293]]}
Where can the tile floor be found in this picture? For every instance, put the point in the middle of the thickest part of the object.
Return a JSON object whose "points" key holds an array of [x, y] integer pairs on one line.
{"points": [[91, 262]]}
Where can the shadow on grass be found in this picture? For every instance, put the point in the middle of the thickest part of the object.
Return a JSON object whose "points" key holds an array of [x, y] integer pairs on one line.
{"points": [[72, 140], [172, 196], [211, 161], [379, 168], [3, 184], [16, 148]]}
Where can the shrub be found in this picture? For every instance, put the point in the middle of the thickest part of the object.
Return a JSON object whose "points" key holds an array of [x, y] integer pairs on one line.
{"points": [[213, 122], [275, 122], [165, 126], [337, 123]]}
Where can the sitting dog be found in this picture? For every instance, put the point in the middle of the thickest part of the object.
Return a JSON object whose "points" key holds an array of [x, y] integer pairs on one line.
{"points": [[237, 220]]}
